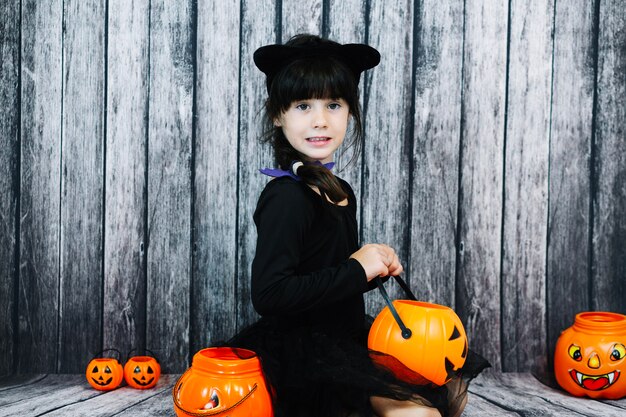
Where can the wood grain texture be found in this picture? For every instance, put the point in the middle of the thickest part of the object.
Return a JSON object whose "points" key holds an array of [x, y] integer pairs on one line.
{"points": [[82, 152], [436, 144], [41, 100], [509, 394], [169, 182], [124, 294], [478, 280], [13, 381], [478, 406], [346, 24], [523, 394], [570, 151], [155, 406], [524, 232], [111, 403], [301, 17], [608, 278], [215, 187], [387, 148], [257, 29], [9, 176]]}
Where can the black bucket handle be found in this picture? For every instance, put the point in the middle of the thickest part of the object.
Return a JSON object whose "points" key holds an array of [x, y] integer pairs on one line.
{"points": [[406, 332]]}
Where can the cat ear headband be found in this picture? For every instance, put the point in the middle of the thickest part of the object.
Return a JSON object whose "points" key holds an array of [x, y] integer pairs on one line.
{"points": [[270, 59]]}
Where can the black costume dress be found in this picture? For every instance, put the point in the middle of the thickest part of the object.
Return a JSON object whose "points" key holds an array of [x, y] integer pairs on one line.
{"points": [[312, 337]]}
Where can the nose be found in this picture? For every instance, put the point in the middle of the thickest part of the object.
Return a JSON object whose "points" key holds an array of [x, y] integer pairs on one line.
{"points": [[319, 119], [594, 361]]}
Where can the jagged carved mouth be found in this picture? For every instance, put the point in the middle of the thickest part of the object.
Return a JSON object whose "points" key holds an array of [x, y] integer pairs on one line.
{"points": [[594, 382], [143, 383], [102, 383]]}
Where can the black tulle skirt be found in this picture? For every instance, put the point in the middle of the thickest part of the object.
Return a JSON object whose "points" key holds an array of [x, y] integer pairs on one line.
{"points": [[314, 375]]}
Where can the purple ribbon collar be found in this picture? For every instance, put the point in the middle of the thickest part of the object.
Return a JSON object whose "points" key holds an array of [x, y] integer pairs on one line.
{"points": [[277, 172]]}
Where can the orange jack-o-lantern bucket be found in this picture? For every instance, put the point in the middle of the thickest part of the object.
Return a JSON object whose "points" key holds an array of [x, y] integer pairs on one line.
{"points": [[590, 356], [142, 372], [223, 381], [427, 338], [104, 374]]}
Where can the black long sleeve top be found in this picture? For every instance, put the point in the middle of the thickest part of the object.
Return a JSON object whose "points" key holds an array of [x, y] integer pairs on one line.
{"points": [[301, 273]]}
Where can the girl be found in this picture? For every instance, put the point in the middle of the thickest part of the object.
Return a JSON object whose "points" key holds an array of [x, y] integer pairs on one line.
{"points": [[309, 273]]}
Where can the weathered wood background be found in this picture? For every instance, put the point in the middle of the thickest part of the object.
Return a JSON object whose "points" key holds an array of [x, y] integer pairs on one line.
{"points": [[495, 163]]}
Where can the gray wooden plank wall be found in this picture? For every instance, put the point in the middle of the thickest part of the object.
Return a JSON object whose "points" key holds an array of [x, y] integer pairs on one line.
{"points": [[495, 163]]}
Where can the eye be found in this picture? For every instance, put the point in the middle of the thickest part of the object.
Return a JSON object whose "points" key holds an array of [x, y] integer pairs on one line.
{"points": [[136, 370], [334, 106], [574, 352], [150, 371], [302, 106], [619, 351], [107, 370], [95, 369]]}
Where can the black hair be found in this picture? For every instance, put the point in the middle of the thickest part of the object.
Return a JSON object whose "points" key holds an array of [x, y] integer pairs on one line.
{"points": [[317, 77]]}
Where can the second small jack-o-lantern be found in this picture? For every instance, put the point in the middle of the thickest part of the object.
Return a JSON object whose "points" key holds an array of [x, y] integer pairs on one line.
{"points": [[590, 356], [436, 347], [142, 372], [104, 374]]}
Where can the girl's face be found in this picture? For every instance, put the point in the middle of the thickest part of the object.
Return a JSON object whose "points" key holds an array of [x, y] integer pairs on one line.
{"points": [[315, 127]]}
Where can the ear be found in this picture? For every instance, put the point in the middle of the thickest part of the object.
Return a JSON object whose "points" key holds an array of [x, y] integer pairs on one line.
{"points": [[277, 122]]}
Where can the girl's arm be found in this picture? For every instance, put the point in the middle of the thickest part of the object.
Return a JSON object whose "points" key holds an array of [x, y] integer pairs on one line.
{"points": [[284, 220]]}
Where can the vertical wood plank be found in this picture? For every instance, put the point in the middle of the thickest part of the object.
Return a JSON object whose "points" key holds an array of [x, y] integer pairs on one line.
{"points": [[215, 225], [526, 186], [257, 29], [301, 17], [40, 185], [570, 150], [609, 226], [9, 176], [124, 295], [346, 24], [387, 126], [169, 182], [81, 184], [482, 150], [437, 129]]}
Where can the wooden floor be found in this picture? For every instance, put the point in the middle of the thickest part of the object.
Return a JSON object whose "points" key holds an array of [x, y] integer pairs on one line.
{"points": [[507, 394]]}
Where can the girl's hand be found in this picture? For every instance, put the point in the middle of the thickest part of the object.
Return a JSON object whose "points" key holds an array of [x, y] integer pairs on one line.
{"points": [[378, 260]]}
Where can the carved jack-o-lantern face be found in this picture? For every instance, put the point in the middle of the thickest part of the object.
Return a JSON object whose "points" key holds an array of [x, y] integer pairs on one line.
{"points": [[589, 362], [104, 374], [225, 382], [142, 372], [437, 348]]}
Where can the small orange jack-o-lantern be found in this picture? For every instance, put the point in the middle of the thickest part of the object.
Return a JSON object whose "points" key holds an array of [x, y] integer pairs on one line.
{"points": [[223, 381], [104, 374], [142, 372], [590, 356], [432, 343]]}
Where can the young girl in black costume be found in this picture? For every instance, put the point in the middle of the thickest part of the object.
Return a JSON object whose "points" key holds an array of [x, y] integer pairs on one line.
{"points": [[309, 273]]}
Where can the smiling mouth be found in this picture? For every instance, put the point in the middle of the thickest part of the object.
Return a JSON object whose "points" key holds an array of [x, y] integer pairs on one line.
{"points": [[318, 139], [103, 383], [143, 384], [594, 382]]}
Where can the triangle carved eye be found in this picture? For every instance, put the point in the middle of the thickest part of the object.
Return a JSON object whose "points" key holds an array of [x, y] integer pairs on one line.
{"points": [[95, 369], [455, 334], [136, 370], [149, 370], [107, 370]]}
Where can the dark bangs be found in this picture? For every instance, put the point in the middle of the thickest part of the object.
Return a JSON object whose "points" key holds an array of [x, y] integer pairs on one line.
{"points": [[312, 78]]}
